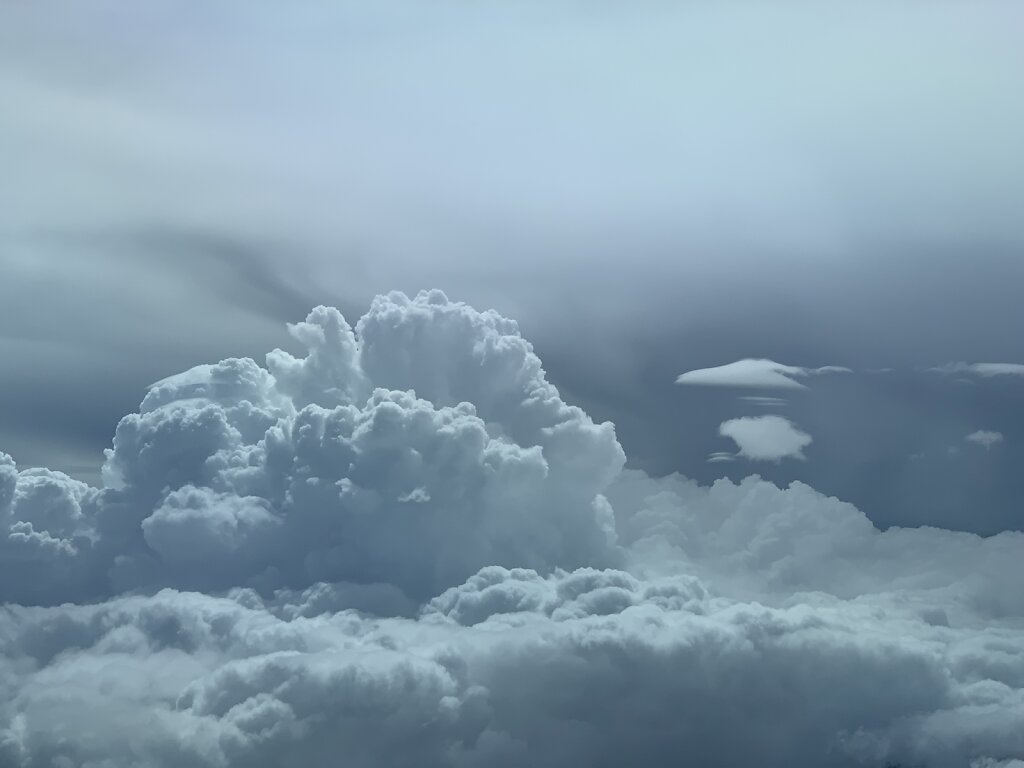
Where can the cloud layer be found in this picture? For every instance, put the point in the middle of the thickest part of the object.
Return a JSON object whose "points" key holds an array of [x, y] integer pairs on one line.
{"points": [[982, 370], [404, 548]]}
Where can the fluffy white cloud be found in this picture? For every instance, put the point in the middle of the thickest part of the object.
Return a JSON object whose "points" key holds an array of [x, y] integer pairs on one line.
{"points": [[766, 438], [405, 549], [759, 542], [412, 451], [985, 438], [754, 373], [512, 668]]}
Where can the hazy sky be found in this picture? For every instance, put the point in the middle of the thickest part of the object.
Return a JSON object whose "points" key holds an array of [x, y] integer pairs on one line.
{"points": [[648, 189], [774, 238]]}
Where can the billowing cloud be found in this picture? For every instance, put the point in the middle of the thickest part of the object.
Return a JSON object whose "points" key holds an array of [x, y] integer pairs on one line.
{"points": [[754, 373], [766, 438], [985, 438], [413, 450], [404, 548]]}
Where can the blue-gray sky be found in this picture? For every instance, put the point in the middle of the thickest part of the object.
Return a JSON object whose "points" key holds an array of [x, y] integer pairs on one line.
{"points": [[647, 190]]}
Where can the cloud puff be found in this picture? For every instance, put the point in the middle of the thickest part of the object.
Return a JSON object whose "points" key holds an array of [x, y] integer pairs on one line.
{"points": [[985, 438], [758, 541], [413, 450], [403, 548], [759, 373], [766, 438], [982, 370]]}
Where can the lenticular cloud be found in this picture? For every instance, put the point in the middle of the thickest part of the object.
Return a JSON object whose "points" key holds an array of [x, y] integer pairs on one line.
{"points": [[404, 548]]}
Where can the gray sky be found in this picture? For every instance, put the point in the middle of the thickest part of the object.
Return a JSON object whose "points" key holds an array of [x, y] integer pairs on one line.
{"points": [[648, 191]]}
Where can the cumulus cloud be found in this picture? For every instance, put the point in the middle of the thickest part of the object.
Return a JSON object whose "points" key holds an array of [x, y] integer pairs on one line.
{"points": [[404, 548], [412, 450], [754, 373], [985, 438], [766, 438]]}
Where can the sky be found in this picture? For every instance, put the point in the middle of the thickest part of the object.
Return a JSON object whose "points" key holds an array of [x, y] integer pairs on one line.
{"points": [[649, 191], [369, 366]]}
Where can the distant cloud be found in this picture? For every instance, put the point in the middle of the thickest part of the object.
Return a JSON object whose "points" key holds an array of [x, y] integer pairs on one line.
{"points": [[721, 456], [766, 438], [767, 402], [757, 373], [985, 438], [983, 370]]}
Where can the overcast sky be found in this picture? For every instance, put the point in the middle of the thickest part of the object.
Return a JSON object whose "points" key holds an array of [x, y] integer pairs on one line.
{"points": [[648, 190], [780, 239]]}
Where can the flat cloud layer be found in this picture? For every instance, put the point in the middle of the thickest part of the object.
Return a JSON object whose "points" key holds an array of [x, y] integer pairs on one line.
{"points": [[751, 373], [984, 370], [404, 548]]}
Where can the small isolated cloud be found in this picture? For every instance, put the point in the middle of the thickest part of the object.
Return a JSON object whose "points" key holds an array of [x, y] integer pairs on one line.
{"points": [[760, 373], [766, 438], [720, 456], [766, 402], [985, 438], [982, 370]]}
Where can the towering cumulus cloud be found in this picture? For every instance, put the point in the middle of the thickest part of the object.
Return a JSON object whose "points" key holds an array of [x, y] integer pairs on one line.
{"points": [[403, 548]]}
